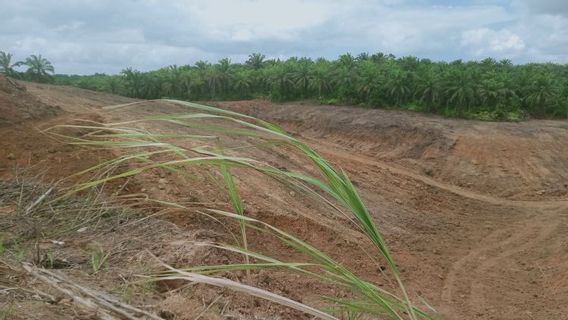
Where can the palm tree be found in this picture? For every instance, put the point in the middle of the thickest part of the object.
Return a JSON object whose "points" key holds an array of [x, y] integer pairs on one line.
{"points": [[196, 84], [242, 83], [133, 80], [39, 68], [398, 87], [369, 82], [218, 77], [363, 56], [113, 84], [409, 63], [462, 88], [280, 78], [256, 61], [201, 65], [346, 61], [380, 57], [321, 80], [494, 91], [429, 90], [174, 81], [346, 78], [368, 87], [6, 65], [542, 92], [303, 75], [214, 80]]}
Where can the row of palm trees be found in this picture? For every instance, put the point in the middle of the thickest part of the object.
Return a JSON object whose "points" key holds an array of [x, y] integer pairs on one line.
{"points": [[483, 89], [38, 68]]}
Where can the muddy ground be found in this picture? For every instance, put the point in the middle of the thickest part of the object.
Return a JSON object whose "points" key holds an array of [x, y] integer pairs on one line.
{"points": [[475, 213]]}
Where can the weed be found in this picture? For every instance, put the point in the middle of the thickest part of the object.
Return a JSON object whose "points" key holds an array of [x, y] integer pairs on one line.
{"points": [[19, 251], [330, 186], [50, 261], [7, 312], [130, 291], [98, 259]]}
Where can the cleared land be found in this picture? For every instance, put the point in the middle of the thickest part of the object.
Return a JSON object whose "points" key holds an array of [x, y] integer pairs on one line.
{"points": [[476, 214]]}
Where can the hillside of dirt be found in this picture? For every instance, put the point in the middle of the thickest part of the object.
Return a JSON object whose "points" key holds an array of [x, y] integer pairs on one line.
{"points": [[527, 160], [18, 105], [475, 213]]}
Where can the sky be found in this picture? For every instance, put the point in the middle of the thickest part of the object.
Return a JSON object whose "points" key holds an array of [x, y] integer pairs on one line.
{"points": [[88, 36]]}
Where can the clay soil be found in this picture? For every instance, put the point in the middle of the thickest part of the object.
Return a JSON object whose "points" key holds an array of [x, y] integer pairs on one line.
{"points": [[476, 213]]}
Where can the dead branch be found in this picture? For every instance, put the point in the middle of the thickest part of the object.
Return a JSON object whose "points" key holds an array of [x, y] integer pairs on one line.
{"points": [[106, 306]]}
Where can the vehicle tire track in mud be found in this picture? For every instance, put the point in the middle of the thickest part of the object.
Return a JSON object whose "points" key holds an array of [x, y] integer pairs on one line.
{"points": [[465, 289], [468, 280], [328, 149]]}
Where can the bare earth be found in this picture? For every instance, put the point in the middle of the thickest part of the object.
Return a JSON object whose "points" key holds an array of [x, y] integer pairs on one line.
{"points": [[476, 213]]}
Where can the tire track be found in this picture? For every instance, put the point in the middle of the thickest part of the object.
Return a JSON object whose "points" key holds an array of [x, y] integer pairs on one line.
{"points": [[328, 149]]}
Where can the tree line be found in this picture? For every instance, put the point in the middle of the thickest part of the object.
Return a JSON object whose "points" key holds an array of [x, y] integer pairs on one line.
{"points": [[37, 67], [486, 89]]}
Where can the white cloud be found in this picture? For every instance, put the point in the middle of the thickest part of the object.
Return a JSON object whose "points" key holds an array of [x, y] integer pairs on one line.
{"points": [[486, 42], [428, 29], [255, 19], [105, 35], [554, 7], [547, 36]]}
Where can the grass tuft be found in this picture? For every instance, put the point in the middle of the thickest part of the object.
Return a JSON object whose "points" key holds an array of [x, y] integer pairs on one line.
{"points": [[178, 152]]}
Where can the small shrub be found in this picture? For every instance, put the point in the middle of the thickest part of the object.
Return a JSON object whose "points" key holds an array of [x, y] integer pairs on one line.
{"points": [[330, 101], [98, 259], [413, 106]]}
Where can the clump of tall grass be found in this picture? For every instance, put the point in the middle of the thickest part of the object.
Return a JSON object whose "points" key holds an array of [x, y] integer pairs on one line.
{"points": [[141, 148]]}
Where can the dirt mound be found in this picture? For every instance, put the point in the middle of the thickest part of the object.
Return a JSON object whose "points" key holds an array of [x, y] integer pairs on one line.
{"points": [[522, 161], [18, 105], [378, 133]]}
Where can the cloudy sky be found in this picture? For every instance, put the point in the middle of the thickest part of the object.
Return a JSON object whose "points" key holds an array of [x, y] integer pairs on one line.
{"points": [[87, 36]]}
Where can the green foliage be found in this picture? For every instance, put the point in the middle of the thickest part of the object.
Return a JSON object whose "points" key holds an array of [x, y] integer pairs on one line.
{"points": [[98, 258], [483, 115], [17, 250], [6, 64], [456, 89], [514, 116], [413, 106], [7, 312], [330, 101], [38, 69]]}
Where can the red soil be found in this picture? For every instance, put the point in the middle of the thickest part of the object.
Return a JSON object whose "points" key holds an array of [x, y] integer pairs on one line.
{"points": [[475, 213]]}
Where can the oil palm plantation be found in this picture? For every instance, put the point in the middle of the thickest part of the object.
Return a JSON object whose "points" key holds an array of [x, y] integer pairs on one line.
{"points": [[398, 87], [242, 83], [256, 61], [461, 90], [542, 92], [429, 91], [370, 83], [302, 76], [469, 89], [321, 79]]}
